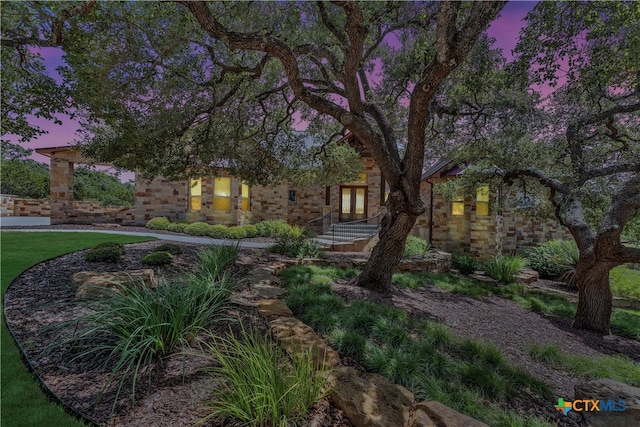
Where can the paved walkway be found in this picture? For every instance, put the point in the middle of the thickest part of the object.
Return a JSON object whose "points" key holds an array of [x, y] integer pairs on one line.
{"points": [[160, 236], [12, 221]]}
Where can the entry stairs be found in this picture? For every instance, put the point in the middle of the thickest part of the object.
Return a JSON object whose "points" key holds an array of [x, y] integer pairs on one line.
{"points": [[348, 236]]}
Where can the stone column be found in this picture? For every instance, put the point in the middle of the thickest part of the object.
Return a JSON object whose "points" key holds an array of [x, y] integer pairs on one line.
{"points": [[61, 190]]}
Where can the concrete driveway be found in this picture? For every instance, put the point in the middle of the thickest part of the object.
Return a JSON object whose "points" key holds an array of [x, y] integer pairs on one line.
{"points": [[12, 221]]}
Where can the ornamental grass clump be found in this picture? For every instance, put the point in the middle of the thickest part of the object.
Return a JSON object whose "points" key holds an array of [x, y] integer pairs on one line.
{"points": [[262, 385], [504, 268], [132, 327], [214, 260]]}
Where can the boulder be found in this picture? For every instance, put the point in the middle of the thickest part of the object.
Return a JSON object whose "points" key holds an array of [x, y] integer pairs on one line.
{"points": [[296, 337], [434, 413], [527, 276], [92, 283], [370, 399], [273, 308], [610, 392]]}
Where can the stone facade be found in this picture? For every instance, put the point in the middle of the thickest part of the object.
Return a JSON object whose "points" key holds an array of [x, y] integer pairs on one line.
{"points": [[498, 228], [7, 204]]}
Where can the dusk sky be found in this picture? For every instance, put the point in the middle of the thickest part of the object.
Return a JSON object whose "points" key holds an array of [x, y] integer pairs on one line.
{"points": [[505, 30]]}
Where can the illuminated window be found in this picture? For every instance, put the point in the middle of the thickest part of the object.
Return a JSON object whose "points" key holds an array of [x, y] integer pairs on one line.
{"points": [[482, 200], [457, 205], [245, 204], [222, 194], [362, 179], [195, 194]]}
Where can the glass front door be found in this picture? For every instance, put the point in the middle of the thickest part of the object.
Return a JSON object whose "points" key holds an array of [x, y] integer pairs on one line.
{"points": [[353, 203]]}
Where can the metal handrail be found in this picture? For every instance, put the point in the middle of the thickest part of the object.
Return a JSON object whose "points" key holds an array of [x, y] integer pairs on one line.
{"points": [[322, 223], [353, 230]]}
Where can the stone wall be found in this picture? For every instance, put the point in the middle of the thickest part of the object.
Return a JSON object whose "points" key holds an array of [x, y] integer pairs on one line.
{"points": [[160, 197], [308, 204], [482, 236], [269, 202], [7, 204]]}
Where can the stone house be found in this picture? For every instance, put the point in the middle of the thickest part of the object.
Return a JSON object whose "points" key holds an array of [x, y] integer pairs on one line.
{"points": [[223, 199], [484, 224]]}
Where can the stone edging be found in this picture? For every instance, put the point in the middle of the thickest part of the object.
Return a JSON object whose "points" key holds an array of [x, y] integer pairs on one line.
{"points": [[366, 399]]}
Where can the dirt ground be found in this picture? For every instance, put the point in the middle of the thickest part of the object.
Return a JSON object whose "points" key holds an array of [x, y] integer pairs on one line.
{"points": [[178, 392]]}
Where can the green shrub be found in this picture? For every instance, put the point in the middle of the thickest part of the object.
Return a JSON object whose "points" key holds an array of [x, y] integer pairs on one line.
{"points": [[178, 227], [198, 229], [110, 254], [116, 245], [172, 248], [297, 247], [250, 230], [218, 231], [554, 259], [157, 258], [261, 385], [158, 223], [214, 260], [464, 263], [132, 326], [415, 247], [504, 268], [273, 228], [236, 233]]}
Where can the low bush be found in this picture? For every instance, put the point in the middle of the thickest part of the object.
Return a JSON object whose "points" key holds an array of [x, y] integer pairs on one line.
{"points": [[158, 223], [297, 247], [555, 259], [172, 248], [178, 227], [157, 258], [504, 268], [415, 247], [116, 245], [111, 254], [464, 263], [273, 228], [261, 385], [218, 231], [198, 229], [236, 233], [250, 230]]}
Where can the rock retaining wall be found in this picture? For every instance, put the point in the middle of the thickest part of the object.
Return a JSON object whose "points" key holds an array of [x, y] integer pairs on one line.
{"points": [[366, 399]]}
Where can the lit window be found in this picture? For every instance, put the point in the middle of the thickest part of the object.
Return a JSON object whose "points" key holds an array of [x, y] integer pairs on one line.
{"points": [[457, 205], [362, 179], [245, 204], [222, 194], [482, 200], [195, 194]]}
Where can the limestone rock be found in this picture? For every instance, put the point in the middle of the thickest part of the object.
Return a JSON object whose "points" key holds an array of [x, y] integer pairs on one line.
{"points": [[441, 415], [609, 390], [92, 283], [273, 307], [296, 337], [527, 276], [370, 399]]}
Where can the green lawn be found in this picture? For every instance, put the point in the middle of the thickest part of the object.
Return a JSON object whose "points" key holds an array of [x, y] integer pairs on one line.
{"points": [[23, 403], [625, 282]]}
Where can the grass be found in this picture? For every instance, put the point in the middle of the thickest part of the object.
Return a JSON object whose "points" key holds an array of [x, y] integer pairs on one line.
{"points": [[137, 325], [618, 368], [262, 386], [624, 322], [23, 403], [625, 282], [504, 268], [471, 377]]}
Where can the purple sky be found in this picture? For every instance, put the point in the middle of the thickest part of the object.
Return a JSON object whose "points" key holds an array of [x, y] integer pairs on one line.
{"points": [[505, 30]]}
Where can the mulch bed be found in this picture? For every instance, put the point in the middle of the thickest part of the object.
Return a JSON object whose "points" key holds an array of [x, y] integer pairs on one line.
{"points": [[178, 392]]}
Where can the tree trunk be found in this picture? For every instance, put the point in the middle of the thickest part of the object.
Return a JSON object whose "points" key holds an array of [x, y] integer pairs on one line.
{"points": [[386, 255], [594, 295]]}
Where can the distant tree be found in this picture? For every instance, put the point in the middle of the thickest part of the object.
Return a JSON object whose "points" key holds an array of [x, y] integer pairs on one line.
{"points": [[102, 187], [12, 151], [175, 86], [582, 143], [24, 178]]}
